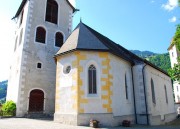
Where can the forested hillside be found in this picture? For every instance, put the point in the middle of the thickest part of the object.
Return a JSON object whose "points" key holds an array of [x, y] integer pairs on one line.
{"points": [[3, 90], [143, 54], [160, 60]]}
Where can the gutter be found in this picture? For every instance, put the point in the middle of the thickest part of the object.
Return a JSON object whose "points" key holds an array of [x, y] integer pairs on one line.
{"points": [[134, 95], [146, 105]]}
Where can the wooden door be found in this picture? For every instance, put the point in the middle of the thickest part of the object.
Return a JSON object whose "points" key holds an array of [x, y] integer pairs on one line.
{"points": [[36, 101]]}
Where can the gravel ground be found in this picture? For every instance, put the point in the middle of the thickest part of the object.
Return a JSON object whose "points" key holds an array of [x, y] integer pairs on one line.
{"points": [[23, 123]]}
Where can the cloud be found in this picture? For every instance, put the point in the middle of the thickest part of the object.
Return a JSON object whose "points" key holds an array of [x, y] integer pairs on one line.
{"points": [[173, 19], [152, 1], [170, 5]]}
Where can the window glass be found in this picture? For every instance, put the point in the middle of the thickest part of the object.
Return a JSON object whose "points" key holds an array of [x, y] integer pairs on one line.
{"points": [[59, 39], [52, 11], [92, 83], [153, 92], [40, 35]]}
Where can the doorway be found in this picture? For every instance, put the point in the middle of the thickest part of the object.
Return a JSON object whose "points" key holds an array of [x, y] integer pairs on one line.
{"points": [[36, 101]]}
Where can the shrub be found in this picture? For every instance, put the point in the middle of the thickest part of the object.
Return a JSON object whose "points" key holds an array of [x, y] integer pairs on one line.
{"points": [[9, 108], [94, 123]]}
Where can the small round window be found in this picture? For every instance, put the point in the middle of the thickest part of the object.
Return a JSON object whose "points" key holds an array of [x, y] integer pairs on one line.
{"points": [[67, 69]]}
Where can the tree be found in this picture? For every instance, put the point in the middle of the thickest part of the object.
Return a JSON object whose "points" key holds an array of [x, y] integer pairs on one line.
{"points": [[176, 38], [175, 72]]}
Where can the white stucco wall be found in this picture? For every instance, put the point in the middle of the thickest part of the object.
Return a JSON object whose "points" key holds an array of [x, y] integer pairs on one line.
{"points": [[118, 68], [65, 84], [176, 86], [94, 104], [121, 106], [173, 53], [14, 83], [162, 108]]}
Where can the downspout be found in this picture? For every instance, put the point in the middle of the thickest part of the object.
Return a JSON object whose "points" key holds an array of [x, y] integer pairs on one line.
{"points": [[134, 95], [146, 105]]}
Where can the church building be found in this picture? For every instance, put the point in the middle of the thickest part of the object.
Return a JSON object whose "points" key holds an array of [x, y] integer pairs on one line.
{"points": [[81, 75]]}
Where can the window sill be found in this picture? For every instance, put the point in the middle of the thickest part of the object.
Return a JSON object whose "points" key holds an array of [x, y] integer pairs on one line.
{"points": [[93, 96]]}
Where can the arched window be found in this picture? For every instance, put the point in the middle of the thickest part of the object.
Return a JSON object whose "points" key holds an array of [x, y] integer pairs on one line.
{"points": [[59, 39], [40, 35], [178, 98], [52, 11], [165, 89], [92, 83], [20, 38], [15, 43], [153, 92], [22, 15], [126, 87]]}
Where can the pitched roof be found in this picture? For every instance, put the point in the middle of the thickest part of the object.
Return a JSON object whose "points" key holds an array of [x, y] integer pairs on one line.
{"points": [[87, 39], [24, 2]]}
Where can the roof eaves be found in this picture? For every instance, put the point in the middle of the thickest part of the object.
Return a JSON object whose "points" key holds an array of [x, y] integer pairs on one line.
{"points": [[111, 45], [74, 9], [20, 8], [24, 2], [154, 66], [170, 46], [64, 53]]}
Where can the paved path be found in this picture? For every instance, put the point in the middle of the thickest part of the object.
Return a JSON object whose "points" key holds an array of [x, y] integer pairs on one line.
{"points": [[22, 123]]}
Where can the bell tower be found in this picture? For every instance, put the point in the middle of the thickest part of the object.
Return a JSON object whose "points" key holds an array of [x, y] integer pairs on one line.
{"points": [[42, 28]]}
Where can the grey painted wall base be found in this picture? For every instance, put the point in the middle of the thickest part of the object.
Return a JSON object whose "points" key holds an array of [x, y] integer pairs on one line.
{"points": [[161, 120], [83, 119]]}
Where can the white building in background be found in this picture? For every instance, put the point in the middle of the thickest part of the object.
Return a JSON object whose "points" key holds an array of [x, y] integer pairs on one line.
{"points": [[90, 76], [174, 54]]}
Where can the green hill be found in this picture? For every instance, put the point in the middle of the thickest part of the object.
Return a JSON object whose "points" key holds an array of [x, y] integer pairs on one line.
{"points": [[3, 91], [160, 60], [143, 54]]}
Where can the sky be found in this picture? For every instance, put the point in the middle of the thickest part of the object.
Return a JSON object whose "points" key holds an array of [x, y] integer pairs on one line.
{"points": [[134, 24]]}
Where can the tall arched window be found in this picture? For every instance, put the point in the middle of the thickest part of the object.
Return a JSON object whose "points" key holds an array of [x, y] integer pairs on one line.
{"points": [[59, 39], [52, 11], [165, 89], [40, 35], [15, 43], [126, 87], [22, 15], [20, 37], [153, 92], [92, 83]]}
